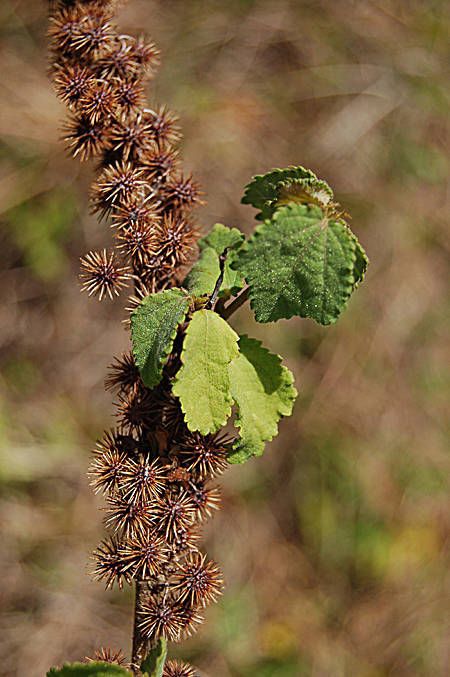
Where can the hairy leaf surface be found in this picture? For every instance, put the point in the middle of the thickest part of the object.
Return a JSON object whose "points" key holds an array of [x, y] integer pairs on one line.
{"points": [[268, 192], [300, 263], [264, 391], [203, 382], [205, 272], [153, 330], [99, 669]]}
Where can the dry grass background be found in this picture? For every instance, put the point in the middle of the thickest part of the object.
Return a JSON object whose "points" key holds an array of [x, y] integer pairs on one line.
{"points": [[335, 544]]}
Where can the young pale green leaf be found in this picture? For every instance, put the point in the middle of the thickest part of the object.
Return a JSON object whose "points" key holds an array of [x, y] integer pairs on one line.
{"points": [[300, 263], [153, 330], [270, 191], [99, 669], [222, 237], [153, 665], [205, 272], [203, 382], [264, 391]]}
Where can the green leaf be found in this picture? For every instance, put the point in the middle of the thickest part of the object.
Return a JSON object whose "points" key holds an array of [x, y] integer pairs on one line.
{"points": [[301, 263], [89, 670], [279, 187], [361, 263], [222, 237], [205, 272], [153, 330], [264, 391], [153, 665], [203, 382]]}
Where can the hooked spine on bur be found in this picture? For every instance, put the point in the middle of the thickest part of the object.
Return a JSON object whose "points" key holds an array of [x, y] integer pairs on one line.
{"points": [[157, 468]]}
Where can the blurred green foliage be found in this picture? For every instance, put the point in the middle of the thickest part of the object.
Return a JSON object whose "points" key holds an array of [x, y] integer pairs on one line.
{"points": [[40, 228]]}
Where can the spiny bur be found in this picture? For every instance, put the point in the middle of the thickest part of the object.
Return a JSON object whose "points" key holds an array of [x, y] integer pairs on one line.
{"points": [[188, 371]]}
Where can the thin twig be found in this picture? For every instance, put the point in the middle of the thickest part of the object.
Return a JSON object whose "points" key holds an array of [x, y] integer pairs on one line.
{"points": [[215, 294], [236, 304]]}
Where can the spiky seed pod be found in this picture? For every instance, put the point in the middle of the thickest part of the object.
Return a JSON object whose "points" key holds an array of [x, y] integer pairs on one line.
{"points": [[161, 618], [145, 556], [156, 273], [138, 243], [146, 55], [142, 480], [131, 519], [123, 374], [65, 25], [109, 564], [101, 276], [106, 469], [191, 620], [182, 193], [205, 456], [130, 95], [85, 139], [105, 655], [136, 213], [176, 238], [137, 410], [198, 581], [115, 186], [72, 82], [185, 540], [131, 137], [115, 440], [99, 101], [163, 126], [160, 162], [93, 35], [179, 475], [118, 62], [175, 512], [171, 414], [206, 499], [178, 669]]}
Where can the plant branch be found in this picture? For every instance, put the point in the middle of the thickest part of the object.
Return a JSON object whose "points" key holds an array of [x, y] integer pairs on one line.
{"points": [[235, 304], [137, 653], [215, 294]]}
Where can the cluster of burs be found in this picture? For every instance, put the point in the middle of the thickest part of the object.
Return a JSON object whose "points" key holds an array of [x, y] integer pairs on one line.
{"points": [[156, 475]]}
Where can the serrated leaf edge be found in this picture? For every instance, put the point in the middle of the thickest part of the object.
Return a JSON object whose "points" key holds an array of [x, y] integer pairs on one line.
{"points": [[259, 231], [281, 414], [284, 178], [165, 354]]}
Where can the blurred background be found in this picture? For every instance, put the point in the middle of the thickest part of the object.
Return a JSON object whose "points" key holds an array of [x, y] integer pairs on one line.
{"points": [[334, 544]]}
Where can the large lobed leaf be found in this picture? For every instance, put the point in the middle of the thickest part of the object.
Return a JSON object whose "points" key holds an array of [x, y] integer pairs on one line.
{"points": [[153, 330], [301, 263], [268, 192], [264, 391], [205, 272], [98, 669], [203, 382]]}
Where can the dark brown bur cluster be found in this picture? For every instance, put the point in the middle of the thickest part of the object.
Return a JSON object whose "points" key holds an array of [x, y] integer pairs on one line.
{"points": [[155, 474]]}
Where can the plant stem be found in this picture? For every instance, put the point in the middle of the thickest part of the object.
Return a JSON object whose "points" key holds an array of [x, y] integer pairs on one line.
{"points": [[137, 654], [236, 304], [215, 294]]}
